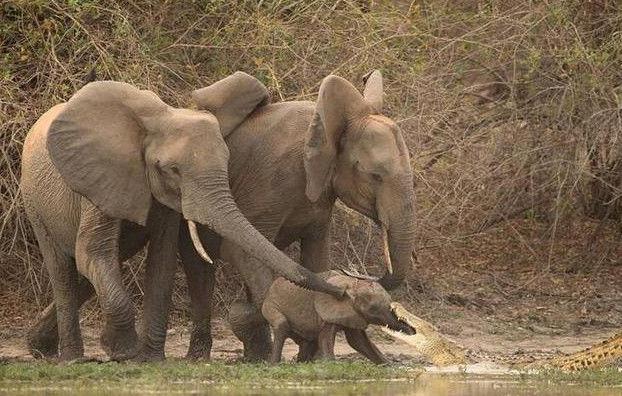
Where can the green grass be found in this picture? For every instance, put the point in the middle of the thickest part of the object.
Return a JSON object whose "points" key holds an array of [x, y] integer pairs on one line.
{"points": [[606, 376], [221, 378], [218, 373]]}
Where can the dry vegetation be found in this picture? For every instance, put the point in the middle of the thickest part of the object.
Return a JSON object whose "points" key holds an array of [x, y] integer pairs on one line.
{"points": [[512, 111]]}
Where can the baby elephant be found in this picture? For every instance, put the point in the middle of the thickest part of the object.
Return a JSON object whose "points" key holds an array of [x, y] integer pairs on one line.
{"points": [[312, 319]]}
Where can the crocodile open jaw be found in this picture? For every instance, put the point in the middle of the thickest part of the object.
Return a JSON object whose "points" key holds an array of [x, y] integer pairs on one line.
{"points": [[427, 340]]}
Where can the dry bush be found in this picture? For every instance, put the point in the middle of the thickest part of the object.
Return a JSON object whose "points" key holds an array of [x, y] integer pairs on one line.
{"points": [[511, 109]]}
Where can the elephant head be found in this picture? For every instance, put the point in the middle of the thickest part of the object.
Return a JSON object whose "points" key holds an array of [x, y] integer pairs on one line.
{"points": [[366, 303], [361, 155], [121, 147]]}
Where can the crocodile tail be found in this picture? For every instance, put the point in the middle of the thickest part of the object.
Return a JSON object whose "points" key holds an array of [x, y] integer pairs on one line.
{"points": [[599, 355]]}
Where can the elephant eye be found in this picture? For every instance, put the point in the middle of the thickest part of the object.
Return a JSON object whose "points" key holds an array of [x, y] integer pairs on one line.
{"points": [[165, 167], [377, 177], [174, 169]]}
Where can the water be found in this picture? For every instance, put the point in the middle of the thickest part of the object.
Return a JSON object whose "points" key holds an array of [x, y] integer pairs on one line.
{"points": [[426, 385]]}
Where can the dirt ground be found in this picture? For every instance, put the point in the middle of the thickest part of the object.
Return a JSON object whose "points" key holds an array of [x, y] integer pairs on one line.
{"points": [[507, 295], [481, 347]]}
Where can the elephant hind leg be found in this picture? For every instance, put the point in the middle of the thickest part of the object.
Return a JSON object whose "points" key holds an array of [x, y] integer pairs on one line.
{"points": [[43, 336], [245, 317], [64, 277], [249, 325]]}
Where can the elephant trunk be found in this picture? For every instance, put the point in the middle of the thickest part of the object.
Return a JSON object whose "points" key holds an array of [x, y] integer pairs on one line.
{"points": [[208, 201], [400, 246], [399, 239]]}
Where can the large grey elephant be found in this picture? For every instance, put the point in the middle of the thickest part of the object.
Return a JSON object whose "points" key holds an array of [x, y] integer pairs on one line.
{"points": [[289, 163], [114, 167]]}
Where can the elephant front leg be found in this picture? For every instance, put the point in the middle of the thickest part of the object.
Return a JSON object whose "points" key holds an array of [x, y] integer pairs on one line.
{"points": [[280, 329], [359, 340], [326, 341], [307, 349], [43, 336], [245, 318], [200, 277], [159, 279], [97, 253]]}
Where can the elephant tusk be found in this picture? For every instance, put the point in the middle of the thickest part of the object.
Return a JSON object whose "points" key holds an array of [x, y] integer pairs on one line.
{"points": [[387, 255], [196, 241]]}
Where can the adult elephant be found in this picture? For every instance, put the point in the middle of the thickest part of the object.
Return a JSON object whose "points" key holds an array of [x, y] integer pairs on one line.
{"points": [[289, 162], [115, 166]]}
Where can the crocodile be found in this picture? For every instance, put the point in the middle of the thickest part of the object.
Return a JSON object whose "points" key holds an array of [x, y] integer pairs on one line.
{"points": [[443, 352], [428, 340], [603, 354]]}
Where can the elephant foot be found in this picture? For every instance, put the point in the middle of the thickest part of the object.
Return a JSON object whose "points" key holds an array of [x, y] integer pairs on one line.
{"points": [[71, 353], [252, 329], [42, 342], [200, 344], [82, 360], [146, 355], [258, 347], [119, 344], [306, 351]]}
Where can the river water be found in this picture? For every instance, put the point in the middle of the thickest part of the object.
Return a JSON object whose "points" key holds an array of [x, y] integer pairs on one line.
{"points": [[426, 385]]}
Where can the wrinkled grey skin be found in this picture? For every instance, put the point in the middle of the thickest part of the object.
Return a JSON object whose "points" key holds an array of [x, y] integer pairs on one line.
{"points": [[288, 164], [312, 319], [113, 167]]}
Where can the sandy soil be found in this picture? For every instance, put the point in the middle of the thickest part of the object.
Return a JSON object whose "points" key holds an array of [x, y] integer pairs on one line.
{"points": [[495, 349], [502, 305]]}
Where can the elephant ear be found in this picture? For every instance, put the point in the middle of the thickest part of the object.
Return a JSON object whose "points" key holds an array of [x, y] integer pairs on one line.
{"points": [[339, 311], [338, 104], [96, 145], [232, 99], [373, 90]]}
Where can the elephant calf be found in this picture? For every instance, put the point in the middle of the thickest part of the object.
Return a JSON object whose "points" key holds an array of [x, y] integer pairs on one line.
{"points": [[312, 319]]}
